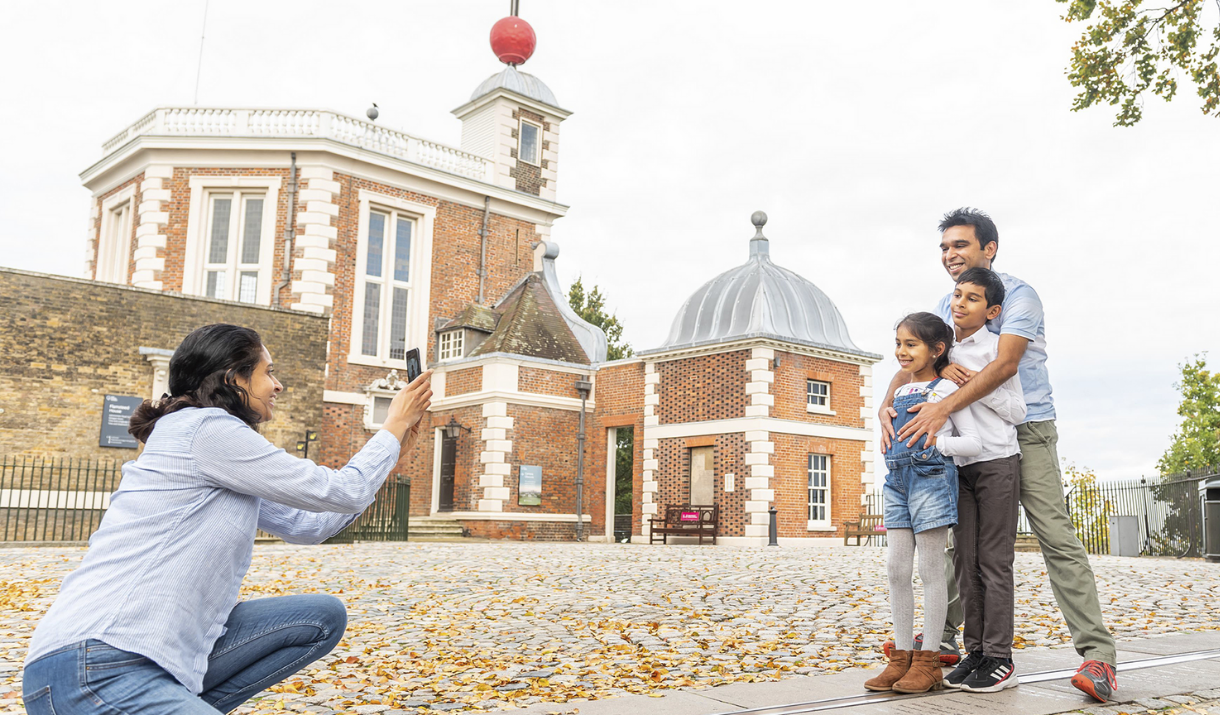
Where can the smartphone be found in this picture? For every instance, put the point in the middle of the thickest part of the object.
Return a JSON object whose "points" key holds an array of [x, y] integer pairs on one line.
{"points": [[413, 367]]}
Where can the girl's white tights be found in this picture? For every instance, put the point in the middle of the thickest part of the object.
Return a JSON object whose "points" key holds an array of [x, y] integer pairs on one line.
{"points": [[903, 543]]}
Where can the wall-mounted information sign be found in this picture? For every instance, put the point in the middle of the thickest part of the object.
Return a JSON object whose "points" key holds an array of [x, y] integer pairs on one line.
{"points": [[116, 416]]}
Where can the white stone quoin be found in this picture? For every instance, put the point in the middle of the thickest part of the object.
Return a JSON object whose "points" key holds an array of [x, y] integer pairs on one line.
{"points": [[651, 486], [759, 446], [150, 231], [314, 248], [495, 456]]}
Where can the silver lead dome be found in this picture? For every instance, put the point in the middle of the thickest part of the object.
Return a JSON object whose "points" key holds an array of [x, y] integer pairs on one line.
{"points": [[760, 299]]}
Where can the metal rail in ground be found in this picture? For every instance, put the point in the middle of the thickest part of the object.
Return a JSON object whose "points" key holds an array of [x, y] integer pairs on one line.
{"points": [[851, 701]]}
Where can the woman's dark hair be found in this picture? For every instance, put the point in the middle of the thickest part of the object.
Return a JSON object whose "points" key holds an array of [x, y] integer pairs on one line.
{"points": [[201, 374], [930, 330]]}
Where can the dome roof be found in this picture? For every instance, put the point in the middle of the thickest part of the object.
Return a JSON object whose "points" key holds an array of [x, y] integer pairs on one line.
{"points": [[526, 85], [760, 299]]}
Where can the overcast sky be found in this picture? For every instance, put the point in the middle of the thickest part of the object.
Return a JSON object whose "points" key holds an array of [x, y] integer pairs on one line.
{"points": [[854, 126]]}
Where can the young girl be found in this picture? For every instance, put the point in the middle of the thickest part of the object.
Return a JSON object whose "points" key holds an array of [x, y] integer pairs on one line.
{"points": [[921, 503]]}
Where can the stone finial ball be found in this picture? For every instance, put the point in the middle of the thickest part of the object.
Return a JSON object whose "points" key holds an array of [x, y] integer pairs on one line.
{"points": [[758, 218], [513, 40]]}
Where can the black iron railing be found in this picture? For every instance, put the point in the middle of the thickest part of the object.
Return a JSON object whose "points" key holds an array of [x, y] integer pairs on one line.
{"points": [[1168, 511], [48, 499], [386, 519]]}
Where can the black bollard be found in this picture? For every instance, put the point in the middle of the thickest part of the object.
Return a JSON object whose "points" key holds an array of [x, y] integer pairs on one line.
{"points": [[774, 528]]}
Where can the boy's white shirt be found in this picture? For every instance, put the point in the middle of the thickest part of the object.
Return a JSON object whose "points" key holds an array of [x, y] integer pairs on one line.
{"points": [[996, 414], [959, 437]]}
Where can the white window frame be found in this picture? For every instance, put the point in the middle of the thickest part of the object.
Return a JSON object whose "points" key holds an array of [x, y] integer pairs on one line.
{"points": [[370, 422], [521, 137], [194, 269], [456, 346], [819, 524], [113, 260], [419, 287], [814, 408]]}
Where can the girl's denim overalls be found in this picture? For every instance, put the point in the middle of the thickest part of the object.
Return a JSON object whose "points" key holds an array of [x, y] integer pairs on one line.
{"points": [[921, 486]]}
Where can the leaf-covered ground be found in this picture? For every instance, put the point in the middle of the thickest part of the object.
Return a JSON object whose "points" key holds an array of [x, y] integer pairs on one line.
{"points": [[500, 625]]}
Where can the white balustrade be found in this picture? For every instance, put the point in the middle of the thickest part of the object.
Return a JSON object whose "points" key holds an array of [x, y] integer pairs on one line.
{"points": [[290, 123]]}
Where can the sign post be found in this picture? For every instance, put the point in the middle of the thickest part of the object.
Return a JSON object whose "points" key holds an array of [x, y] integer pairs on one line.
{"points": [[116, 416]]}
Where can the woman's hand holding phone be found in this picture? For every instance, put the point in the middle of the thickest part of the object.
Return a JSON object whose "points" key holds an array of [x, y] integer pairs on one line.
{"points": [[409, 405]]}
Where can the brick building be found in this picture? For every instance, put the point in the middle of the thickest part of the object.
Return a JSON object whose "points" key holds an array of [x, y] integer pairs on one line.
{"points": [[758, 397]]}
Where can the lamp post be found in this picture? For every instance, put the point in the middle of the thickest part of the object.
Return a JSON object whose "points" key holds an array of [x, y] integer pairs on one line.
{"points": [[303, 444], [583, 387]]}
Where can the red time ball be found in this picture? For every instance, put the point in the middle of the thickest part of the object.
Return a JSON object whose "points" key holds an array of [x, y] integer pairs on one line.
{"points": [[513, 40]]}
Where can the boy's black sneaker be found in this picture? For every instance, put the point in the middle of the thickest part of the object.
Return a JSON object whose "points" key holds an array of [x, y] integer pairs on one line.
{"points": [[949, 653], [964, 669], [992, 676]]}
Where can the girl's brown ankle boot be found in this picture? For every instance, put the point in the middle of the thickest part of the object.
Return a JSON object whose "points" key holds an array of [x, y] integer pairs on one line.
{"points": [[900, 663], [924, 674]]}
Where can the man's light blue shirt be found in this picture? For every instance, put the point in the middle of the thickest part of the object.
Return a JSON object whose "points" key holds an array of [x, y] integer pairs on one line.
{"points": [[164, 569], [1021, 315]]}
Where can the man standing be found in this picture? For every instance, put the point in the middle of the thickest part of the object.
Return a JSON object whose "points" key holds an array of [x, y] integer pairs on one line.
{"points": [[969, 239]]}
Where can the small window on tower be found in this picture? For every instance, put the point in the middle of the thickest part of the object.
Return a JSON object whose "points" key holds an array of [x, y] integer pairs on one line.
{"points": [[527, 148], [452, 343], [817, 396]]}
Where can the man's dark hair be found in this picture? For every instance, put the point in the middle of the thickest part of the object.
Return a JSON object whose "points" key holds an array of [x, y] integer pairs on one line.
{"points": [[984, 228], [989, 281]]}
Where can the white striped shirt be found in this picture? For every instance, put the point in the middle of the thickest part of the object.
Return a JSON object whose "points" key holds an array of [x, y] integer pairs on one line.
{"points": [[164, 569]]}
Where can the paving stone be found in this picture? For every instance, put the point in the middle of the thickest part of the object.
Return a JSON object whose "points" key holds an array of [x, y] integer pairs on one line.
{"points": [[437, 621]]}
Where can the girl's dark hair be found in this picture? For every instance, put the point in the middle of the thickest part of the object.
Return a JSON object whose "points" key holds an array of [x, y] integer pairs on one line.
{"points": [[930, 330], [201, 374]]}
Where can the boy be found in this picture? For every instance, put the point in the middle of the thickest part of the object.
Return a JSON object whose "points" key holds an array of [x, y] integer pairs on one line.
{"points": [[988, 495]]}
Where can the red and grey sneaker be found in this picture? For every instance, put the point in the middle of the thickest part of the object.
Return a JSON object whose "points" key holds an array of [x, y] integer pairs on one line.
{"points": [[949, 654], [1097, 679]]}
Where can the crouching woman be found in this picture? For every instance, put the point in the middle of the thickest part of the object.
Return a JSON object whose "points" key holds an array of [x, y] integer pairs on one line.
{"points": [[150, 621]]}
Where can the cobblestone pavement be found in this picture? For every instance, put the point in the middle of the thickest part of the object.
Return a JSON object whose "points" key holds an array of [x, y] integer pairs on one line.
{"points": [[451, 626], [1206, 702]]}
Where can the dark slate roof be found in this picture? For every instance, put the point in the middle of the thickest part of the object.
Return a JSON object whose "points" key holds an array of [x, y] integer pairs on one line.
{"points": [[532, 325], [475, 317]]}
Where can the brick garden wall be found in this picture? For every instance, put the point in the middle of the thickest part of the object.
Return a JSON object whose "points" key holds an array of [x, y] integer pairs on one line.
{"points": [[67, 343], [620, 400]]}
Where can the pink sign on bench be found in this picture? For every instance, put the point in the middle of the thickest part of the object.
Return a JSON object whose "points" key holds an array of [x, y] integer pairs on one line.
{"points": [[689, 516]]}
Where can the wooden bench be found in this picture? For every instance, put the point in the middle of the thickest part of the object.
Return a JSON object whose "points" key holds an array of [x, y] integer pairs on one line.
{"points": [[685, 521], [867, 527]]}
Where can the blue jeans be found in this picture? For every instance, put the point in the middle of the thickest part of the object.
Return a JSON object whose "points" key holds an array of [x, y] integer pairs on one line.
{"points": [[267, 640]]}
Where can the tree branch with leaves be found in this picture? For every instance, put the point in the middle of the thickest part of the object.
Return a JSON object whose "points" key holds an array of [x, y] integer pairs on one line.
{"points": [[1127, 51], [591, 307]]}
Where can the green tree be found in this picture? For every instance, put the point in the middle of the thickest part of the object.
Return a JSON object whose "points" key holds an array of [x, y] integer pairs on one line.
{"points": [[624, 457], [1126, 51], [1196, 444], [1090, 509], [591, 306]]}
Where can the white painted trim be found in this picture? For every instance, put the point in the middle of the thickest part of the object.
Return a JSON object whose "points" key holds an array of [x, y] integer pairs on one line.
{"points": [[528, 399], [108, 256], [418, 327], [437, 442], [345, 398], [745, 424], [819, 410], [196, 227], [519, 361], [611, 463], [244, 152], [759, 344], [516, 516]]}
